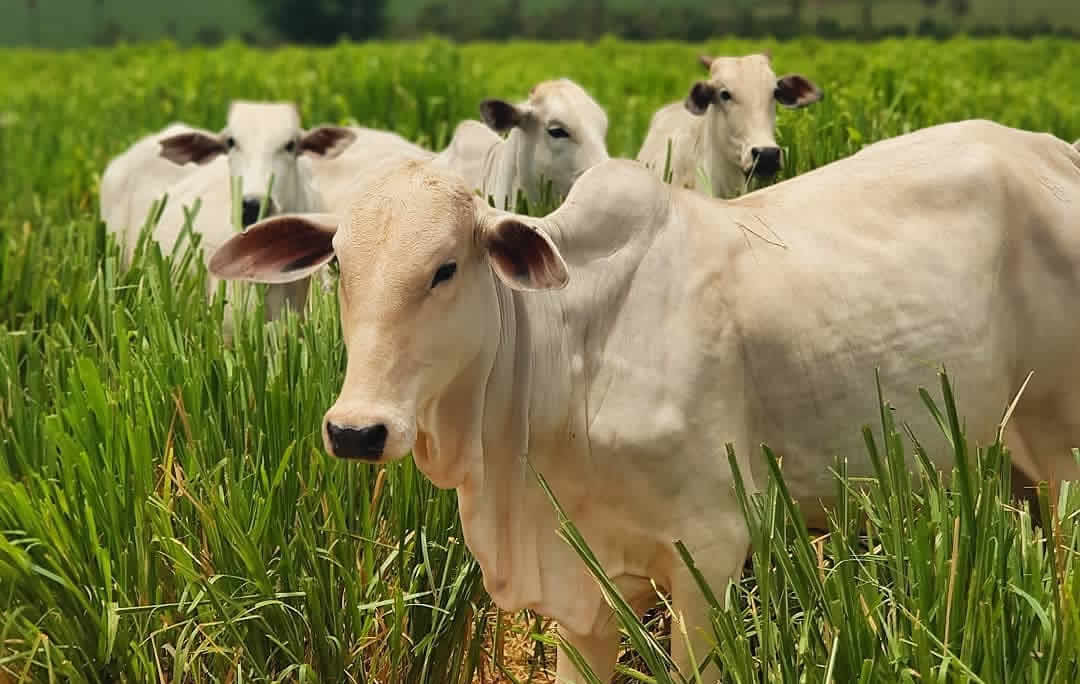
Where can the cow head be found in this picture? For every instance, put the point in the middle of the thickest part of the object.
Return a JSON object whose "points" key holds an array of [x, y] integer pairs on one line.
{"points": [[262, 140], [422, 261], [560, 131], [739, 98]]}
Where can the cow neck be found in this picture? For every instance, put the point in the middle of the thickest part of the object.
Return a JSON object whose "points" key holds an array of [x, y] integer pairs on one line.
{"points": [[502, 164], [723, 176]]}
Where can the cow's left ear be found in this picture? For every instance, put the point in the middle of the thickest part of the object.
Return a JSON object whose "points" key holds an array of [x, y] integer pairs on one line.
{"points": [[280, 249], [795, 91], [501, 116], [523, 256], [327, 141]]}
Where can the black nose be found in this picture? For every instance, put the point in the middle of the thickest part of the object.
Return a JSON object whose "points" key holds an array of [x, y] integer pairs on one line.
{"points": [[365, 444], [766, 161], [250, 207]]}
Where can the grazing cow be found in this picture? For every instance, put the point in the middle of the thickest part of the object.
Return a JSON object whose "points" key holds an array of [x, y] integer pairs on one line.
{"points": [[136, 178], [620, 342], [553, 136], [262, 139], [726, 126]]}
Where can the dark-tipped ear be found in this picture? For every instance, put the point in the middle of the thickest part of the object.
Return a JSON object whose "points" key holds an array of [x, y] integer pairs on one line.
{"points": [[500, 115], [706, 61], [192, 147], [277, 250], [767, 54], [795, 91], [701, 95], [327, 141], [524, 257]]}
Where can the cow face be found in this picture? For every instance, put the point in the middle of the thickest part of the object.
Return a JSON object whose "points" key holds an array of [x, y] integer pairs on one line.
{"points": [[262, 140], [740, 99], [561, 132], [420, 259]]}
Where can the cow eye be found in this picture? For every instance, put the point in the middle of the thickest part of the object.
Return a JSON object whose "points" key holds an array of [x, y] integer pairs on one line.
{"points": [[558, 132], [725, 95], [290, 147], [444, 273], [230, 142]]}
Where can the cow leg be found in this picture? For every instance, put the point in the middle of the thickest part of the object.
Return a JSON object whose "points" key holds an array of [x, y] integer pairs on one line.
{"points": [[1049, 430], [718, 564], [600, 650]]}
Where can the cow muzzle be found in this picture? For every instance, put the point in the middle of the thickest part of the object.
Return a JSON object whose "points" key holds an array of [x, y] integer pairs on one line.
{"points": [[371, 436], [765, 162], [250, 209], [356, 443]]}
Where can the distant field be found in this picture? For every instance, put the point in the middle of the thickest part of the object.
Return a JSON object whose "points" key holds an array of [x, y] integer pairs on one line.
{"points": [[70, 23]]}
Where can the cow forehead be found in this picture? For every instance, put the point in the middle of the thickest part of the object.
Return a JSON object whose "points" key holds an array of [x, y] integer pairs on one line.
{"points": [[743, 71], [564, 99], [263, 119], [414, 209]]}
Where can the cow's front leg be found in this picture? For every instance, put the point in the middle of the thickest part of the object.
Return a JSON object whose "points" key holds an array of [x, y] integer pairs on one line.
{"points": [[600, 650], [718, 564]]}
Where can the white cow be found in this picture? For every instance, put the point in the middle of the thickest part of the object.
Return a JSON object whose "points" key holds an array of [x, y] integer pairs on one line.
{"points": [[725, 129], [260, 140], [555, 135], [620, 342], [136, 178]]}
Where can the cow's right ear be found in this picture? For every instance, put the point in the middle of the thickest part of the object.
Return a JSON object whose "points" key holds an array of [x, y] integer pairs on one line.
{"points": [[192, 147], [706, 61], [523, 256], [280, 249], [500, 115], [701, 96]]}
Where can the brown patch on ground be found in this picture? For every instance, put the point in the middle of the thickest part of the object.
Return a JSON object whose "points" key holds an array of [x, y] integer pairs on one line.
{"points": [[529, 661]]}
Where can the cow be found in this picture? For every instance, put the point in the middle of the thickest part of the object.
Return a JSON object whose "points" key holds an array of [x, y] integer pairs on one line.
{"points": [[723, 133], [555, 135], [261, 140], [133, 180], [619, 343]]}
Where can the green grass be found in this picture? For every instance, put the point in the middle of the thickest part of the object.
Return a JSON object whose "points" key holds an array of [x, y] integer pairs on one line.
{"points": [[167, 512]]}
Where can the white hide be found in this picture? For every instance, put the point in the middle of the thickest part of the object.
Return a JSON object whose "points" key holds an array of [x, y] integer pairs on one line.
{"points": [[140, 175], [619, 343]]}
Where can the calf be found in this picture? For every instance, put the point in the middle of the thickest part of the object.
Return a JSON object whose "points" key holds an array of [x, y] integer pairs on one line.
{"points": [[725, 127]]}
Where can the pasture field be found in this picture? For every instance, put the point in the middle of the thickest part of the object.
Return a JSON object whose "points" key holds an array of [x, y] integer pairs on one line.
{"points": [[167, 512]]}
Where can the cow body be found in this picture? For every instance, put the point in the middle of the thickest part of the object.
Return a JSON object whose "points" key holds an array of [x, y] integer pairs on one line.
{"points": [[133, 180], [722, 135], [619, 343]]}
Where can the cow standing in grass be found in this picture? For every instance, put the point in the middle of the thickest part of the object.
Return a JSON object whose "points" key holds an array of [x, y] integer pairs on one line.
{"points": [[553, 137], [262, 141], [619, 343], [723, 134]]}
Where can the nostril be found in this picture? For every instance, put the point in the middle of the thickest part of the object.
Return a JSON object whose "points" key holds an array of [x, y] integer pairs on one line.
{"points": [[365, 443]]}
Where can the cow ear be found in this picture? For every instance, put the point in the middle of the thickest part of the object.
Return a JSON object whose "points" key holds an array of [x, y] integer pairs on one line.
{"points": [[701, 96], [524, 257], [767, 54], [280, 249], [192, 147], [706, 61], [795, 91], [327, 141], [500, 115]]}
